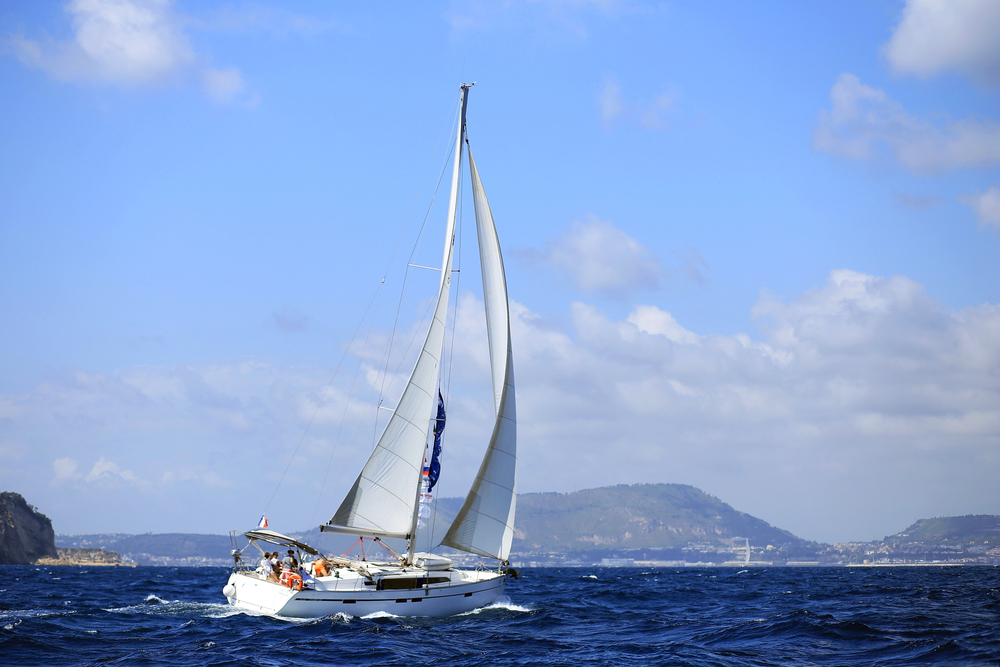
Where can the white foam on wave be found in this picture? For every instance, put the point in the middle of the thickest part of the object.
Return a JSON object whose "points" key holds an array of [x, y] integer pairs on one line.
{"points": [[380, 614], [155, 605], [500, 603], [151, 601], [19, 615], [591, 576]]}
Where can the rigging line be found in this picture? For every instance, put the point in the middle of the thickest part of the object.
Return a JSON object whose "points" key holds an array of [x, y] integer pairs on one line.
{"points": [[368, 402], [384, 364], [413, 251], [451, 352], [371, 324], [320, 403], [347, 404], [409, 215]]}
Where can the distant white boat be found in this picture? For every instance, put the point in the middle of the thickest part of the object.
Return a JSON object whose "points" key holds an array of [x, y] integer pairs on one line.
{"points": [[384, 501]]}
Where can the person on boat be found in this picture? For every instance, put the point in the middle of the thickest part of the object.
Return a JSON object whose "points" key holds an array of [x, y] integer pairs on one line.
{"points": [[307, 578], [267, 563], [290, 571], [321, 567], [275, 567]]}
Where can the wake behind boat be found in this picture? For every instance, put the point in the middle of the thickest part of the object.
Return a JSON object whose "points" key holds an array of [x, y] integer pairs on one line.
{"points": [[384, 501]]}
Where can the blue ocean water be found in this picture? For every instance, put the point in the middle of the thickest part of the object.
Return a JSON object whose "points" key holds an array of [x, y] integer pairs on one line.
{"points": [[573, 616]]}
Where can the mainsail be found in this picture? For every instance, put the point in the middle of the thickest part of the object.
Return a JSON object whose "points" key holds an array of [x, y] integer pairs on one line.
{"points": [[485, 524], [383, 499]]}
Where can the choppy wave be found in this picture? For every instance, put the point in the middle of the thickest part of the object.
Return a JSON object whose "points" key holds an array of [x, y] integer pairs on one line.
{"points": [[620, 616]]}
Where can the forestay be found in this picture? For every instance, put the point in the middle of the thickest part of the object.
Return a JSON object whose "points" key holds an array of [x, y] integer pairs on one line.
{"points": [[485, 524], [381, 503]]}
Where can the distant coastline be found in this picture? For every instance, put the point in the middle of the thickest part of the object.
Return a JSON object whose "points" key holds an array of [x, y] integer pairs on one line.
{"points": [[85, 557], [642, 525]]}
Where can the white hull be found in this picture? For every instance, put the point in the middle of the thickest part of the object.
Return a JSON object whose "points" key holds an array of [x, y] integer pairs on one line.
{"points": [[433, 594]]}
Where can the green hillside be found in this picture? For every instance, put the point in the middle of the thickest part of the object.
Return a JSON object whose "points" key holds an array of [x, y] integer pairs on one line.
{"points": [[642, 516], [633, 517], [974, 528]]}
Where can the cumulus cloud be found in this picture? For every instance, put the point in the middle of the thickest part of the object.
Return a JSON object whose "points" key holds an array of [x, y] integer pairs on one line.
{"points": [[861, 393], [853, 383], [222, 85], [128, 43], [65, 470], [938, 35], [652, 320], [600, 258], [864, 123], [103, 471], [654, 114], [986, 205]]}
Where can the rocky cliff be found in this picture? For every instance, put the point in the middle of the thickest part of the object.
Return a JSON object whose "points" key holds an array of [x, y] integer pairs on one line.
{"points": [[25, 533]]}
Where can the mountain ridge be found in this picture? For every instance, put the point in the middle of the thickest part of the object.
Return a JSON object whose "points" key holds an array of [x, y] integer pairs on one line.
{"points": [[676, 519]]}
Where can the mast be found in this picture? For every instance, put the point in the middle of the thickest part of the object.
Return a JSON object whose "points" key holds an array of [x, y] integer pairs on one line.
{"points": [[384, 500], [449, 245]]}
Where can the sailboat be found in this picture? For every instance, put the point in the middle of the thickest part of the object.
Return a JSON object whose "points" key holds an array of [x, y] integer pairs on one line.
{"points": [[384, 501]]}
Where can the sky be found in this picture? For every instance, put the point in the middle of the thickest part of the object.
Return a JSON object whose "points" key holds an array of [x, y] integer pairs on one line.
{"points": [[751, 247]]}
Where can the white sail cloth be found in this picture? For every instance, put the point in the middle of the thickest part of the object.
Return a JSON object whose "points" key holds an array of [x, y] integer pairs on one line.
{"points": [[485, 524], [383, 500]]}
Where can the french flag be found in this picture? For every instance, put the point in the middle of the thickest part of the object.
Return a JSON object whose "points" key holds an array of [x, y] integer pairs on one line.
{"points": [[263, 522]]}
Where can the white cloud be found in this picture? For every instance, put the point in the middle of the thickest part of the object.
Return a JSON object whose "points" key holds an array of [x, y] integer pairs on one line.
{"points": [[222, 85], [865, 383], [122, 41], [986, 205], [654, 114], [864, 405], [658, 322], [128, 43], [65, 470], [937, 35], [603, 259], [105, 470], [863, 122]]}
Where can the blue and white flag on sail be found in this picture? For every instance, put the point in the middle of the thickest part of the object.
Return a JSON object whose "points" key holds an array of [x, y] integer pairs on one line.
{"points": [[435, 471]]}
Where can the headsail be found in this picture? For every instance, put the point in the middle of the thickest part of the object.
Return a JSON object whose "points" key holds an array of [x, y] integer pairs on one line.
{"points": [[383, 500], [485, 524]]}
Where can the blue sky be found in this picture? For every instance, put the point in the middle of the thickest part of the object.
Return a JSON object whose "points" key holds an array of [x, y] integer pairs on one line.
{"points": [[749, 248]]}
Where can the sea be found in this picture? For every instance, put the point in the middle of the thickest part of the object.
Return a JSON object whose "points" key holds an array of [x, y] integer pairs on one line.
{"points": [[550, 616]]}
